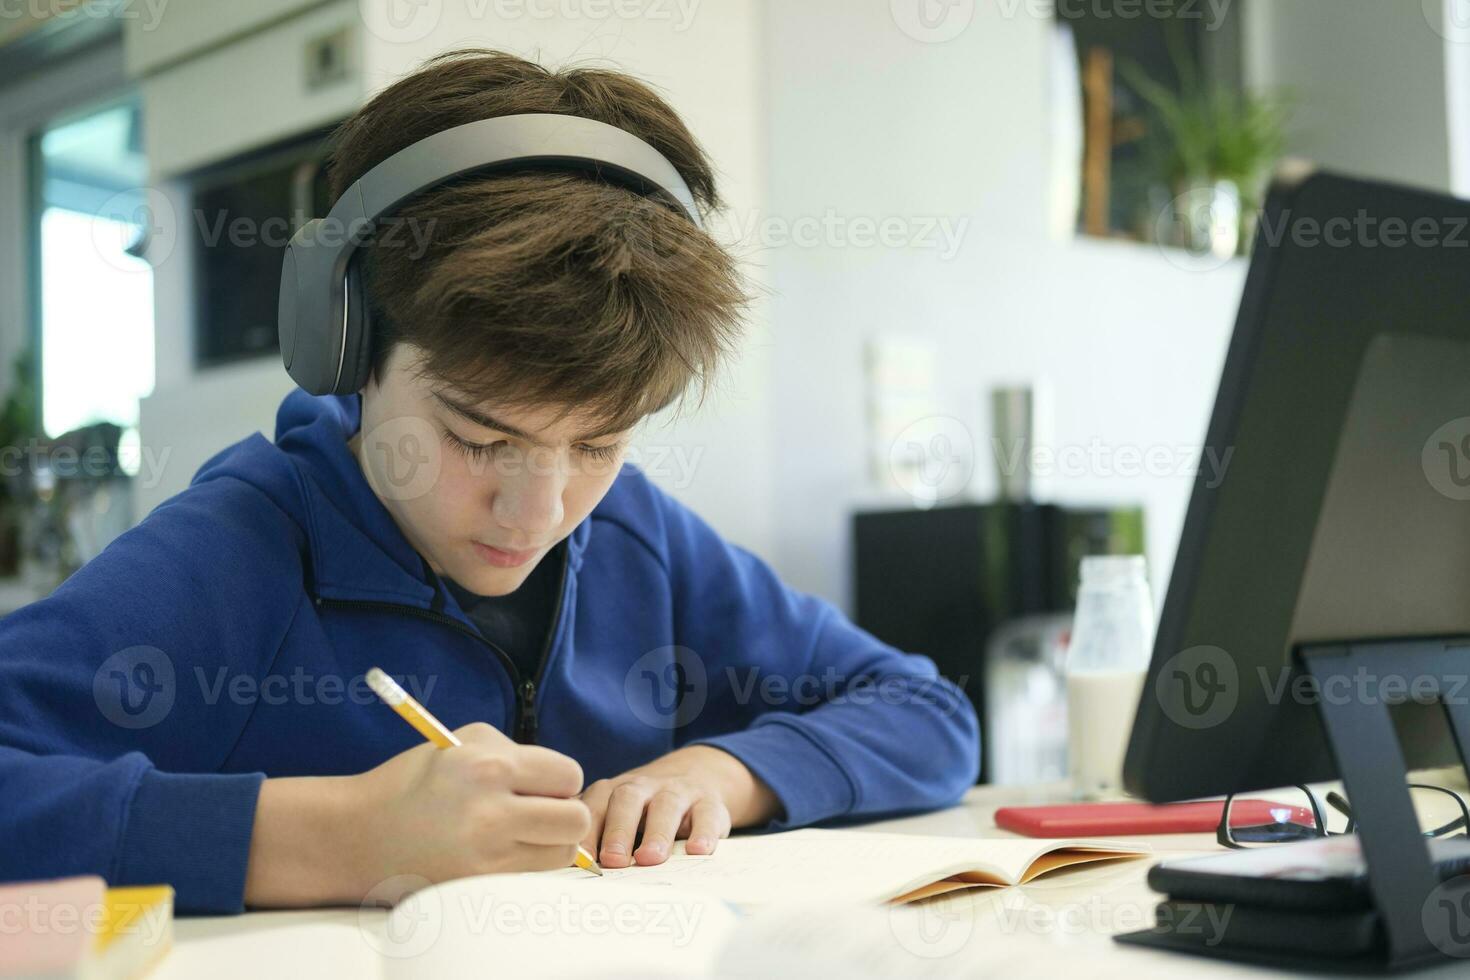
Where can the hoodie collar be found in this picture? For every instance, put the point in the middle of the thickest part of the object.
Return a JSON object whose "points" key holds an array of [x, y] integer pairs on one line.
{"points": [[357, 550]]}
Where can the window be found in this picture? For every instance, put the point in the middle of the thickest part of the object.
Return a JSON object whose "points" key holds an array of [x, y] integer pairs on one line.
{"points": [[95, 291]]}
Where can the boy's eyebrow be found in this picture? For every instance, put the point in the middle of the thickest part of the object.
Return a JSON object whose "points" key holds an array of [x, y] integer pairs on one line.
{"points": [[481, 419]]}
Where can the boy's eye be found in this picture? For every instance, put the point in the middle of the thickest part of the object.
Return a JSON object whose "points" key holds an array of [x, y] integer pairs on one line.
{"points": [[601, 452], [477, 450], [474, 450]]}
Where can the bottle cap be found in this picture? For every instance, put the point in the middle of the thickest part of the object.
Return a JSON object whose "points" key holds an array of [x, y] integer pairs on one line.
{"points": [[1107, 570]]}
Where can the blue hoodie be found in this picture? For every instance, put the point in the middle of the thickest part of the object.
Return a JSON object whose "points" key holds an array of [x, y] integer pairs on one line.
{"points": [[225, 638]]}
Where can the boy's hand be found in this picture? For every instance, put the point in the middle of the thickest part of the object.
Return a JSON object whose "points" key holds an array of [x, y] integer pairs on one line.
{"points": [[485, 806], [698, 792]]}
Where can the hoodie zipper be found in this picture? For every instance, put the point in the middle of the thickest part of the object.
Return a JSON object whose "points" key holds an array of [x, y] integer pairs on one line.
{"points": [[526, 722]]}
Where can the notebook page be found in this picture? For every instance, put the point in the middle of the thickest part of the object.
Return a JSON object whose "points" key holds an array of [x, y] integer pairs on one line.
{"points": [[552, 925], [839, 865]]}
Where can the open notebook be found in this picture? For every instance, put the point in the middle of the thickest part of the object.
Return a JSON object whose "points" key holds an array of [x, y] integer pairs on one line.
{"points": [[857, 867], [687, 915]]}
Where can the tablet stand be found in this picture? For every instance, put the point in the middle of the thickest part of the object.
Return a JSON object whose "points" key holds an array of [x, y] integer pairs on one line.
{"points": [[1424, 922]]}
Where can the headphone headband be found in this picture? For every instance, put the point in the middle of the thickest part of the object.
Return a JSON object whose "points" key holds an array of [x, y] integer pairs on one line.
{"points": [[324, 325]]}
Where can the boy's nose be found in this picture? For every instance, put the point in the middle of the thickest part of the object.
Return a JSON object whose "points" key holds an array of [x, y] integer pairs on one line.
{"points": [[530, 508]]}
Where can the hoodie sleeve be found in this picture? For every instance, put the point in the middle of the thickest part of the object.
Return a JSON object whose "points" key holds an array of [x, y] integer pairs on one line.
{"points": [[836, 722], [112, 734]]}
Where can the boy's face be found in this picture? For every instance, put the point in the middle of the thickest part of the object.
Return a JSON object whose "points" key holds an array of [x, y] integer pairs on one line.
{"points": [[480, 490]]}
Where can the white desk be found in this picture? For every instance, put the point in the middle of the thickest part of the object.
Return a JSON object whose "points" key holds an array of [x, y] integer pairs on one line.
{"points": [[1056, 926]]}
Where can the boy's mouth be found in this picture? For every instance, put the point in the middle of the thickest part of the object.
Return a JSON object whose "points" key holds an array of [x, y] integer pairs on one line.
{"points": [[501, 558]]}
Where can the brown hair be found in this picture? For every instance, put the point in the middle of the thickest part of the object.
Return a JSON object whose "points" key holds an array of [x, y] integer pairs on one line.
{"points": [[539, 288]]}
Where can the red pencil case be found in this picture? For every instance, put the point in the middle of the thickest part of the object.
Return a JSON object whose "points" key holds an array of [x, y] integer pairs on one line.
{"points": [[1132, 819]]}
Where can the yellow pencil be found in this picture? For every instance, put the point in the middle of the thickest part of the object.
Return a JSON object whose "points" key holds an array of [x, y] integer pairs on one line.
{"points": [[433, 729]]}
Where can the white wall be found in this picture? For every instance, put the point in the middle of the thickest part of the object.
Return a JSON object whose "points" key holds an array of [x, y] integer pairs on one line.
{"points": [[1370, 79], [868, 121]]}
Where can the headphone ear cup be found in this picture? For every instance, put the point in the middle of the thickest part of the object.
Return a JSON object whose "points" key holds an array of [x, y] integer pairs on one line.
{"points": [[357, 338]]}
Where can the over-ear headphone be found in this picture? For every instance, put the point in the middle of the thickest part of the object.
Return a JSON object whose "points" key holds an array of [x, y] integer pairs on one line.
{"points": [[325, 326]]}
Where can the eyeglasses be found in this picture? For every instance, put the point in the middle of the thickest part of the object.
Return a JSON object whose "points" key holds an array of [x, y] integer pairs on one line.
{"points": [[1295, 815]]}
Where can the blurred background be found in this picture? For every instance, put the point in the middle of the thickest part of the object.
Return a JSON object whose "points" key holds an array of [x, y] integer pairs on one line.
{"points": [[999, 245]]}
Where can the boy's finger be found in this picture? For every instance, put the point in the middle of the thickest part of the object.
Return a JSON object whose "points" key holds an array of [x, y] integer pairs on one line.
{"points": [[709, 821], [596, 801], [547, 857], [540, 771], [665, 812], [481, 733], [543, 820], [624, 812]]}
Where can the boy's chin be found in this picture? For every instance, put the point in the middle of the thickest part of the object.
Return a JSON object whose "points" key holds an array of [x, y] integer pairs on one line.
{"points": [[487, 580]]}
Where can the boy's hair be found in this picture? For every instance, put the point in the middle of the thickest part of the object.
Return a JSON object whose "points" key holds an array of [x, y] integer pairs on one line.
{"points": [[535, 288]]}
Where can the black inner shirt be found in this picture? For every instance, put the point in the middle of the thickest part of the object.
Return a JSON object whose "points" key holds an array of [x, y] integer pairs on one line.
{"points": [[518, 622]]}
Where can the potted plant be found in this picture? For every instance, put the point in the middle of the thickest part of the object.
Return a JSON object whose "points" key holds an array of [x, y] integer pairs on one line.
{"points": [[18, 426], [1213, 147]]}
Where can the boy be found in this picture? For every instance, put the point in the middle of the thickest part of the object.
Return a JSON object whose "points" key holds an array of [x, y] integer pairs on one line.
{"points": [[189, 707]]}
